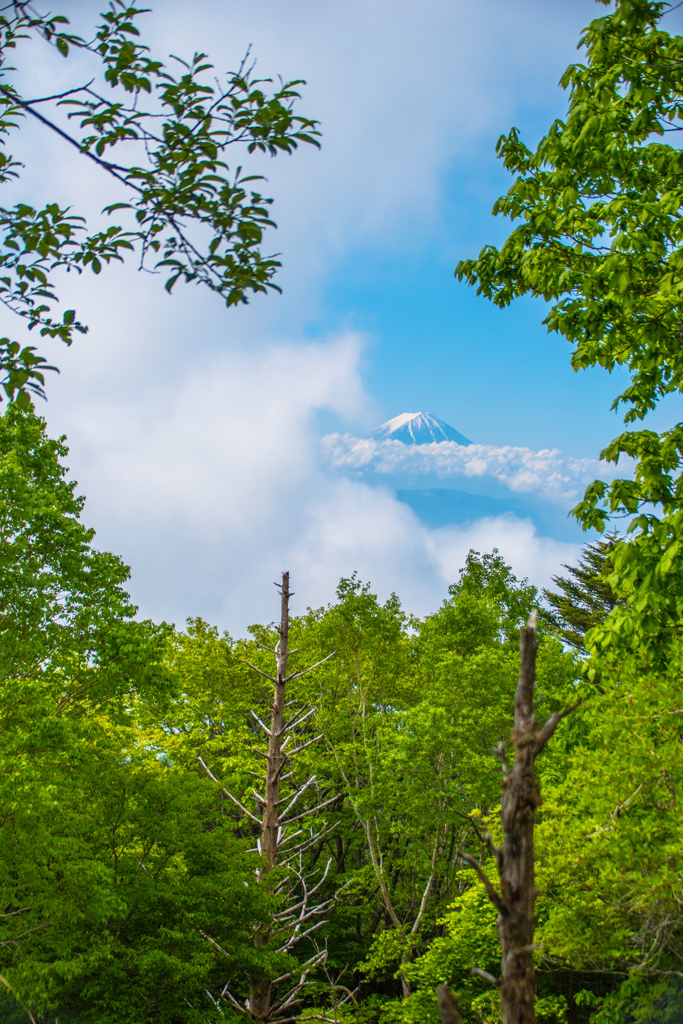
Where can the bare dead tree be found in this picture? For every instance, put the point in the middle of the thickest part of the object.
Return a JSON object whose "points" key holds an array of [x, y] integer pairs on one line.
{"points": [[283, 839], [515, 896]]}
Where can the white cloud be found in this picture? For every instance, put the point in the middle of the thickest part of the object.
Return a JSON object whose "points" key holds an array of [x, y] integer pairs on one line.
{"points": [[211, 493], [547, 473], [537, 558], [233, 432]]}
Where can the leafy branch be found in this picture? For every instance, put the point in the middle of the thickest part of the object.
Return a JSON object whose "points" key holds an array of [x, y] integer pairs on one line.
{"points": [[193, 215]]}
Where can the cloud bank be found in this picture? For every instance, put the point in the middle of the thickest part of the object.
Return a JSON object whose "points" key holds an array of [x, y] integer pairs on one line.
{"points": [[548, 473]]}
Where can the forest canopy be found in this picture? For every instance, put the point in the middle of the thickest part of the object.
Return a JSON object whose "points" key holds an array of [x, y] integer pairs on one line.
{"points": [[129, 888]]}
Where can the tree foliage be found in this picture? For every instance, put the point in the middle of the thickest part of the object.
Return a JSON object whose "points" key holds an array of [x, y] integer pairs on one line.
{"points": [[126, 880], [585, 597], [127, 876], [599, 205], [190, 214], [113, 857]]}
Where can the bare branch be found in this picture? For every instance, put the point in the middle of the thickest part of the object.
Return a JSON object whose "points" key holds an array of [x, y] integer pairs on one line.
{"points": [[494, 896], [214, 1001], [307, 843], [285, 924], [264, 727], [296, 796], [297, 721], [297, 750], [307, 967], [321, 880], [280, 886], [227, 793], [271, 650], [226, 992], [22, 910], [492, 980], [305, 671], [241, 806], [298, 936], [212, 942], [551, 725], [282, 839], [264, 674], [499, 751], [519, 950], [316, 1016], [312, 810]]}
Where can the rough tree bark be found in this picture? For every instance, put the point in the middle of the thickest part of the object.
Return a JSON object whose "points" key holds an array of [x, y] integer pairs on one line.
{"points": [[516, 895], [260, 990], [298, 919]]}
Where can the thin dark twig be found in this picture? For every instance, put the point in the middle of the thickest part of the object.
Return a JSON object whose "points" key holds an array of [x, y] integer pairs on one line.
{"points": [[110, 168], [61, 95]]}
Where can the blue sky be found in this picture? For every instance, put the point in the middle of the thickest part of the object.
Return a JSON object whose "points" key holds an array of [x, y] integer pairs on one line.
{"points": [[497, 375], [195, 432]]}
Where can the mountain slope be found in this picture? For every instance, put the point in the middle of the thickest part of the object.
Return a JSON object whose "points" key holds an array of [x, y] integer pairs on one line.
{"points": [[418, 428]]}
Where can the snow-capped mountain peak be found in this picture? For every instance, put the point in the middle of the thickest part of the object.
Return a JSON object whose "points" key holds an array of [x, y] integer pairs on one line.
{"points": [[418, 428]]}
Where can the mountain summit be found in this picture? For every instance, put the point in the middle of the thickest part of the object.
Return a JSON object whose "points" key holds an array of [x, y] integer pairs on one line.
{"points": [[418, 428]]}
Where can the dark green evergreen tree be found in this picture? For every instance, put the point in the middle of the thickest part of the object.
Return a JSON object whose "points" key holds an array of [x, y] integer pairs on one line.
{"points": [[584, 598]]}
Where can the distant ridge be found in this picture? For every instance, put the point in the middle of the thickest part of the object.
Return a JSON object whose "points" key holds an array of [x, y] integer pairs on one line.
{"points": [[418, 428]]}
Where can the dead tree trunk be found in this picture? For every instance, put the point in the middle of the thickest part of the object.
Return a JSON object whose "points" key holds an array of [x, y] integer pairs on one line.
{"points": [[260, 990], [298, 919], [516, 895]]}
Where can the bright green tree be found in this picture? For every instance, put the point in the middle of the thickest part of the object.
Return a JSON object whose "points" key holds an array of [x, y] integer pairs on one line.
{"points": [[63, 609], [609, 931], [134, 897], [609, 842], [489, 576], [411, 712], [116, 861], [598, 236], [598, 205]]}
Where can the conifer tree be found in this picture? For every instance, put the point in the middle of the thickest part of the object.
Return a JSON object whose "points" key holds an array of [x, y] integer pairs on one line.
{"points": [[585, 597]]}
